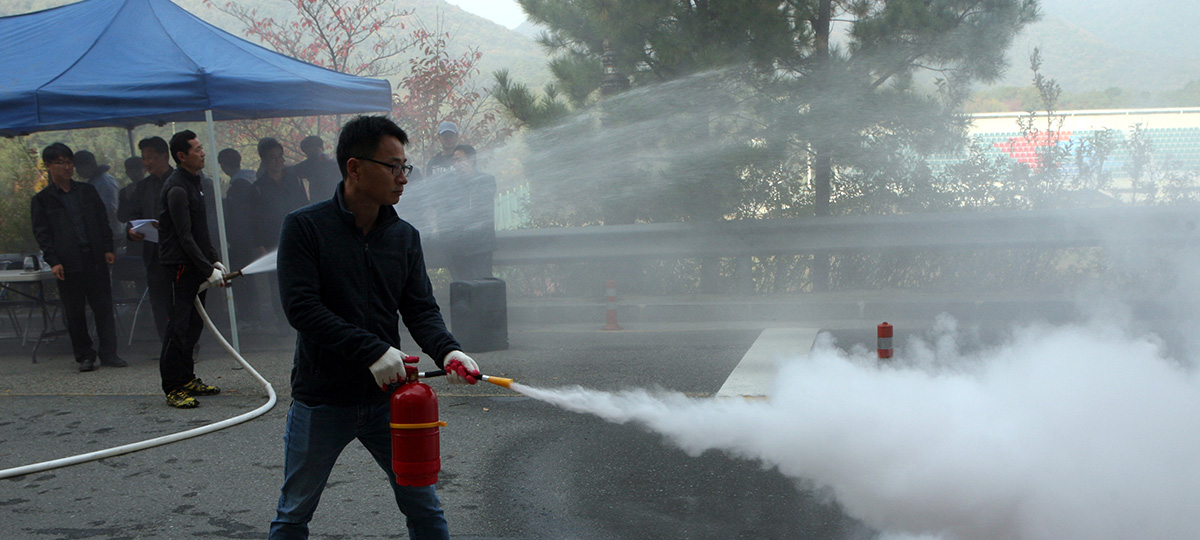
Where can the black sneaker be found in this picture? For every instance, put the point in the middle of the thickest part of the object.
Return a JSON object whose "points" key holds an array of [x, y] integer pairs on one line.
{"points": [[115, 361], [181, 400], [196, 387], [87, 365]]}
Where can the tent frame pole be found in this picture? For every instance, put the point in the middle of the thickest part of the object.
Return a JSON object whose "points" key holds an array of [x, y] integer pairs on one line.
{"points": [[215, 173], [132, 147]]}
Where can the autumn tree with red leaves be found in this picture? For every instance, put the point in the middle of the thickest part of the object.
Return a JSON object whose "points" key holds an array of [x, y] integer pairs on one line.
{"points": [[366, 38], [359, 37], [441, 87]]}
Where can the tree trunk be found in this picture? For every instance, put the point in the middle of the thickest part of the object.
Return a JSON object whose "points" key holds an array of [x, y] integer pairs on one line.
{"points": [[822, 153], [822, 178]]}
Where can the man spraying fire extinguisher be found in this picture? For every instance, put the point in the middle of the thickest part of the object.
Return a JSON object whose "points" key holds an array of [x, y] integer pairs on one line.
{"points": [[349, 271]]}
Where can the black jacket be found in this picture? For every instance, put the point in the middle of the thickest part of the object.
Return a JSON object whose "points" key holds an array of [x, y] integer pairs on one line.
{"points": [[346, 294], [54, 230], [242, 227], [142, 201], [322, 174], [439, 165], [183, 224], [278, 198]]}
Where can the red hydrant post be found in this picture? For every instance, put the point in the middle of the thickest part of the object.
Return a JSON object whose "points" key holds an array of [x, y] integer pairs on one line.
{"points": [[416, 449], [610, 298], [884, 345]]}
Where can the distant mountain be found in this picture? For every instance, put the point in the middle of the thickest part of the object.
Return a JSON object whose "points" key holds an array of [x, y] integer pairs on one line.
{"points": [[1166, 27], [15, 7], [1100, 44], [502, 48], [530, 28]]}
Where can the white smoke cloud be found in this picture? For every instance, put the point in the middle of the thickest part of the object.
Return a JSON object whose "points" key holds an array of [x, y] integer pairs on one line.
{"points": [[1067, 433]]}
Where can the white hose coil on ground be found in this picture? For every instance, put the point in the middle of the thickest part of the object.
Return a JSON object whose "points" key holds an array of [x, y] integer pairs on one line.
{"points": [[165, 439]]}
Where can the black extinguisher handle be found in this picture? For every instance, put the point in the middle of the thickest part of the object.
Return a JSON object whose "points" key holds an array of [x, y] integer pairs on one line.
{"points": [[423, 375], [428, 374]]}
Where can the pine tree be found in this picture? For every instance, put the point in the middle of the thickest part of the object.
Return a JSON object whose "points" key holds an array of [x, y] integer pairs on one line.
{"points": [[835, 82]]}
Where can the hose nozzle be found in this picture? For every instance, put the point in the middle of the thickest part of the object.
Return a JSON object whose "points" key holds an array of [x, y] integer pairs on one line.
{"points": [[231, 275], [498, 381]]}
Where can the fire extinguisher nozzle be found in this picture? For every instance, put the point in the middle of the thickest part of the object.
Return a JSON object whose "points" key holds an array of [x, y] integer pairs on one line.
{"points": [[498, 381]]}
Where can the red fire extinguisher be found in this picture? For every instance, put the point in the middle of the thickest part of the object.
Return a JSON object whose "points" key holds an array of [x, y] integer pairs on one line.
{"points": [[884, 334], [416, 454]]}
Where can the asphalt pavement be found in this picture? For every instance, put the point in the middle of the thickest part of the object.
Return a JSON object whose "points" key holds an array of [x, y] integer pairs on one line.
{"points": [[513, 467]]}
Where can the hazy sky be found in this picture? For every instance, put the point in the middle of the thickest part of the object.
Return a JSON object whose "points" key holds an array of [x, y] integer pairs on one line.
{"points": [[506, 13]]}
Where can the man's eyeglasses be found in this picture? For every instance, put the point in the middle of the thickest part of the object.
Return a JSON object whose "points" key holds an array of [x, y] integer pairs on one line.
{"points": [[397, 168], [62, 161]]}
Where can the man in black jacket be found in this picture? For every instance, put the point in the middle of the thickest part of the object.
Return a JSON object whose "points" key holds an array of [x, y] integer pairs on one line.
{"points": [[141, 201], [318, 169], [349, 271], [243, 232], [70, 223], [471, 231], [279, 192], [189, 260]]}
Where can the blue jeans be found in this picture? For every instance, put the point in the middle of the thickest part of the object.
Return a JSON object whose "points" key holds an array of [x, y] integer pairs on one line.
{"points": [[315, 436]]}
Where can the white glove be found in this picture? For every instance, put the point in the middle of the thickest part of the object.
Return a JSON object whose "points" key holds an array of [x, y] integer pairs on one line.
{"points": [[221, 267], [389, 368], [214, 280], [460, 368]]}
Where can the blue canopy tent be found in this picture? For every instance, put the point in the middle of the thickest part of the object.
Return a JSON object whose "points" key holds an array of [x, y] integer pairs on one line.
{"points": [[133, 62]]}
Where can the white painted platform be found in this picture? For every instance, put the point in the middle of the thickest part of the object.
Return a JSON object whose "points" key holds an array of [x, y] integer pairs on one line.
{"points": [[755, 374]]}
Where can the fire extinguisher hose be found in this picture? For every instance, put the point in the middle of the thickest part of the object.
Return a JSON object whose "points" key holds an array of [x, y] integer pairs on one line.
{"points": [[426, 425], [166, 439], [498, 381]]}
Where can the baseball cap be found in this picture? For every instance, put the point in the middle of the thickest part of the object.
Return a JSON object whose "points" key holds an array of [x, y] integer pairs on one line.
{"points": [[85, 163], [447, 126]]}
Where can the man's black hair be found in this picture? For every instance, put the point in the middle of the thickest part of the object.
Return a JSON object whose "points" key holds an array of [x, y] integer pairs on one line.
{"points": [[361, 136], [312, 145], [230, 157], [154, 143], [181, 142], [466, 149], [265, 144], [56, 151]]}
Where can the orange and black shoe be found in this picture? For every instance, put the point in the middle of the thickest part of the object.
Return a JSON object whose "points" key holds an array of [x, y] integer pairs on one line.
{"points": [[181, 400], [196, 387]]}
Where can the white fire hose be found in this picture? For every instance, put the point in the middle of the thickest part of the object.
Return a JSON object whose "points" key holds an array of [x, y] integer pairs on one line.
{"points": [[165, 439]]}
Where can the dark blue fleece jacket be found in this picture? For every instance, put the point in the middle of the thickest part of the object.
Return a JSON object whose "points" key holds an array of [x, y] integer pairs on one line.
{"points": [[346, 293]]}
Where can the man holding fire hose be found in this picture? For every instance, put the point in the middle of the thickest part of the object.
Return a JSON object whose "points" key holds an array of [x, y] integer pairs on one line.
{"points": [[349, 271], [190, 265]]}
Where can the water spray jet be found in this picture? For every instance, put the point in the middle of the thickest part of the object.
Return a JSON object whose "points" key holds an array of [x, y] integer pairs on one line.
{"points": [[266, 263]]}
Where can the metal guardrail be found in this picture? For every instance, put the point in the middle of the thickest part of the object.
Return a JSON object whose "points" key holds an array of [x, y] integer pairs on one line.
{"points": [[1169, 225]]}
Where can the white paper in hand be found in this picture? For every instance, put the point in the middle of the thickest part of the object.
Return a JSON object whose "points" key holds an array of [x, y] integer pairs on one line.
{"points": [[145, 227]]}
